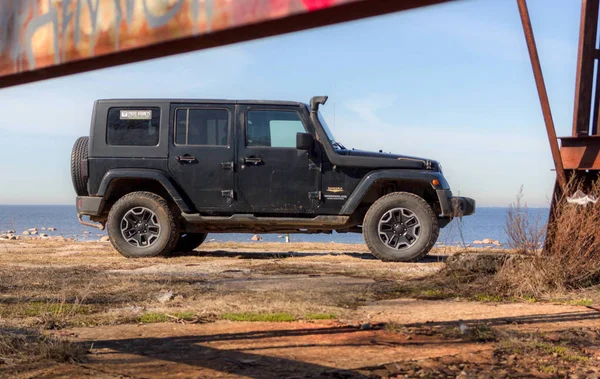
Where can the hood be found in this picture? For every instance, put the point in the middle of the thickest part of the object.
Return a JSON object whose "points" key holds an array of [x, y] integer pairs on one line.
{"points": [[403, 161]]}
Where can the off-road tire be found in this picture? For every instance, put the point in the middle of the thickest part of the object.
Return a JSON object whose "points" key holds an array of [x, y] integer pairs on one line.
{"points": [[429, 233], [169, 233], [189, 241], [79, 153]]}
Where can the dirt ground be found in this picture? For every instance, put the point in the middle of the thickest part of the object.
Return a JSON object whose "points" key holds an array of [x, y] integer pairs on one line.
{"points": [[275, 310]]}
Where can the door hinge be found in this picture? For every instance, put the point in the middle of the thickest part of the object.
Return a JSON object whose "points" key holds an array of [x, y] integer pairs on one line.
{"points": [[227, 194], [227, 165], [315, 195]]}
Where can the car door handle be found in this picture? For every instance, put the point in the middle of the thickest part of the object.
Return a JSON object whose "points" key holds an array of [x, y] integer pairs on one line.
{"points": [[253, 160], [185, 158]]}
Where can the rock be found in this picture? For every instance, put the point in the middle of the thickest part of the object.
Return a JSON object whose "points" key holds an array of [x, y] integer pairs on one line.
{"points": [[365, 326], [43, 235], [99, 235], [477, 242], [10, 232], [32, 229], [12, 237], [487, 241], [86, 232], [52, 229], [4, 236], [33, 232], [105, 239], [26, 233], [164, 297], [211, 240], [256, 237], [43, 228]]}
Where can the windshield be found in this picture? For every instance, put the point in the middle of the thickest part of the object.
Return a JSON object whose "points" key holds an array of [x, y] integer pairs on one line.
{"points": [[335, 144]]}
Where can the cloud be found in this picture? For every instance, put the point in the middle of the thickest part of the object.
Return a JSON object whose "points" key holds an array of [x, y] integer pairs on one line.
{"points": [[390, 134]]}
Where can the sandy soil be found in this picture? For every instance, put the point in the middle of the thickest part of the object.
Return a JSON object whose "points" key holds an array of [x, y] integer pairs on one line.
{"points": [[88, 293]]}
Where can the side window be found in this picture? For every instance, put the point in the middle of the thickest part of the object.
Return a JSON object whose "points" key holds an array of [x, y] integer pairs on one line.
{"points": [[273, 128], [133, 127], [203, 127]]}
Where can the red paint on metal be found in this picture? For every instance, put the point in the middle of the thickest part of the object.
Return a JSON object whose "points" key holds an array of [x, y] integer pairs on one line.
{"points": [[313, 5], [42, 38]]}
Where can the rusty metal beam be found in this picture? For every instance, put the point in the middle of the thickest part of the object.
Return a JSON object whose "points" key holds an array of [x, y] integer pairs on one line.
{"points": [[41, 39], [585, 67], [543, 94], [581, 153]]}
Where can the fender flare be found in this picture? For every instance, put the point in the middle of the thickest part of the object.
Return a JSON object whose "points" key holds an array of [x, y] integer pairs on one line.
{"points": [[414, 175], [156, 175]]}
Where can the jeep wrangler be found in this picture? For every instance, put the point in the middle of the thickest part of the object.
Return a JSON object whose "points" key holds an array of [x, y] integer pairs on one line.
{"points": [[161, 174]]}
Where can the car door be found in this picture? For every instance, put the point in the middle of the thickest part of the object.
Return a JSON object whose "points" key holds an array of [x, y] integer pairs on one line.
{"points": [[201, 153], [274, 176]]}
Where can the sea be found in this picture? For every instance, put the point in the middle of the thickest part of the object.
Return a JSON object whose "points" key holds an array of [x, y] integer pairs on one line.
{"points": [[485, 223]]}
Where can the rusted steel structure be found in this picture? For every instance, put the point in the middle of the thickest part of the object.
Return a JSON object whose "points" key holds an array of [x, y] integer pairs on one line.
{"points": [[541, 87], [581, 151], [41, 39]]}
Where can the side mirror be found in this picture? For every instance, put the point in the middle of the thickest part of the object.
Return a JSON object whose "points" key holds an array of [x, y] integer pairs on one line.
{"points": [[305, 141]]}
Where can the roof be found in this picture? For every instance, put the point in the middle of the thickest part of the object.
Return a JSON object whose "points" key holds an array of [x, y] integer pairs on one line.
{"points": [[206, 101]]}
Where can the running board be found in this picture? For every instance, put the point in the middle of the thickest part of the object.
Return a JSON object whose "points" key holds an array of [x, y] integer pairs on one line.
{"points": [[248, 219]]}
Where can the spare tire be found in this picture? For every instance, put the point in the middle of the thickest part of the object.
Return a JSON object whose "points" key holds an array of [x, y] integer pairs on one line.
{"points": [[79, 153]]}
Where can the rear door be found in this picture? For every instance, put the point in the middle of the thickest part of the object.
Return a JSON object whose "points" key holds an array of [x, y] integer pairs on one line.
{"points": [[201, 153]]}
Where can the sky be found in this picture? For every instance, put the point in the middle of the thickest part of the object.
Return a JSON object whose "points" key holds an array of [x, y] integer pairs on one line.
{"points": [[450, 82]]}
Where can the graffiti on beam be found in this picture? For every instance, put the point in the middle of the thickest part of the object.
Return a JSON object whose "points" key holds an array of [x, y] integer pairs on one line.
{"points": [[35, 34]]}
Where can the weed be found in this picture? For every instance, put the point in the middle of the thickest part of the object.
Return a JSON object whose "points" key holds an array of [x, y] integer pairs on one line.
{"points": [[433, 294], [251, 316], [580, 302], [152, 317], [319, 316], [186, 316]]}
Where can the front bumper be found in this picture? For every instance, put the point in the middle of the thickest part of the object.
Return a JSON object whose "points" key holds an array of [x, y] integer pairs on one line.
{"points": [[455, 206]]}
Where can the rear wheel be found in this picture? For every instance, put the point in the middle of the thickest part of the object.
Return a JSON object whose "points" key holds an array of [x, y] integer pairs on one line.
{"points": [[400, 227], [141, 224], [189, 241]]}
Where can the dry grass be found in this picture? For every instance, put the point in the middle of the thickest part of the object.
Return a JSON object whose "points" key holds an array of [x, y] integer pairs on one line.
{"points": [[524, 235], [54, 285], [19, 346], [570, 262]]}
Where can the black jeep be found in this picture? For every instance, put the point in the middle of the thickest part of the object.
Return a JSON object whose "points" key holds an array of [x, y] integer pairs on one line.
{"points": [[161, 174]]}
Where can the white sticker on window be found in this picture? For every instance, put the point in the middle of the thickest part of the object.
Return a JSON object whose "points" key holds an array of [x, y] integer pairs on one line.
{"points": [[136, 115]]}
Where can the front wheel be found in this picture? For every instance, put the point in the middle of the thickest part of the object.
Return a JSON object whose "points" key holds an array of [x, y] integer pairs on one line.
{"points": [[141, 224], [400, 227]]}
